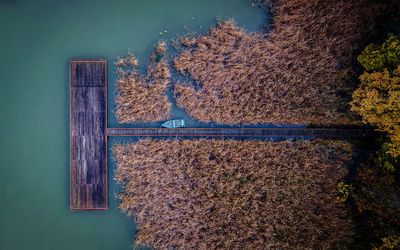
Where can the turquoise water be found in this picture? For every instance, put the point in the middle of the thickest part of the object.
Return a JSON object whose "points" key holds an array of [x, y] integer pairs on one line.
{"points": [[37, 40]]}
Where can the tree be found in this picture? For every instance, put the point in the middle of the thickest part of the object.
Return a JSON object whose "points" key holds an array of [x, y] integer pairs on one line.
{"points": [[374, 190], [377, 58], [377, 99]]}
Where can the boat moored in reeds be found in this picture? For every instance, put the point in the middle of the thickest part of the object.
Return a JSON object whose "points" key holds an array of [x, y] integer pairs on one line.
{"points": [[174, 124]]}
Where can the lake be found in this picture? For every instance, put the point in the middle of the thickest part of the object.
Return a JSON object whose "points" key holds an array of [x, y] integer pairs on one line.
{"points": [[38, 38]]}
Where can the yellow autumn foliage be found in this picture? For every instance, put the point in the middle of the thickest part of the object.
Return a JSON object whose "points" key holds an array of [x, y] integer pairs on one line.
{"points": [[391, 242], [377, 100], [344, 191]]}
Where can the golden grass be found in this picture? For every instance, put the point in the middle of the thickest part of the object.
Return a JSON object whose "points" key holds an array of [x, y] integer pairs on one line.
{"points": [[142, 98], [203, 194], [292, 75]]}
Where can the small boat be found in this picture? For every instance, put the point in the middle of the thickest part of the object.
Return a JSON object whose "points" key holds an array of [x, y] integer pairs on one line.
{"points": [[174, 124]]}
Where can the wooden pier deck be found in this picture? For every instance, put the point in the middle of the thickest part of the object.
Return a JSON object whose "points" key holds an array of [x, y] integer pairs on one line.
{"points": [[245, 132], [88, 141]]}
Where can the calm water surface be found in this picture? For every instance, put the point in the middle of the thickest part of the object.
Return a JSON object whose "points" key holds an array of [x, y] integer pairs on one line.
{"points": [[37, 40]]}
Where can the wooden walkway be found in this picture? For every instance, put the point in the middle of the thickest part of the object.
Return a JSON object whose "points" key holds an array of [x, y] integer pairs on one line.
{"points": [[88, 141], [88, 134], [244, 132]]}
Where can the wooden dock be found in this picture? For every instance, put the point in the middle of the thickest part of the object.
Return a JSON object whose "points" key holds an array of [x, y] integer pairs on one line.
{"points": [[88, 134], [284, 133], [88, 140]]}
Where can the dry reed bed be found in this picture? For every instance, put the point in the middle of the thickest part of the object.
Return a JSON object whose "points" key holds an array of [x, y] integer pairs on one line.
{"points": [[292, 75], [205, 194], [142, 98]]}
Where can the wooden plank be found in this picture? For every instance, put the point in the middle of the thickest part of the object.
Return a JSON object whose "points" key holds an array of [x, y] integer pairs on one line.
{"points": [[88, 142], [246, 132]]}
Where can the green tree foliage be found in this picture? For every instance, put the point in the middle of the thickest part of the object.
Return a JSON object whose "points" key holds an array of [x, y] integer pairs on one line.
{"points": [[377, 58], [377, 99], [373, 190]]}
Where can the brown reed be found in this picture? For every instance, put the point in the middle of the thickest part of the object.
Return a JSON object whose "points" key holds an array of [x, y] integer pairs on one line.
{"points": [[291, 75], [231, 194], [142, 98]]}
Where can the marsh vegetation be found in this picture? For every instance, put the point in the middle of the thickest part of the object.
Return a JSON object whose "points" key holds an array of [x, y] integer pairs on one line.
{"points": [[205, 194], [294, 74], [141, 98]]}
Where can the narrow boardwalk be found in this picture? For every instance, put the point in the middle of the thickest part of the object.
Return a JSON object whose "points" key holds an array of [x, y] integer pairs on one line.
{"points": [[244, 132], [88, 142]]}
